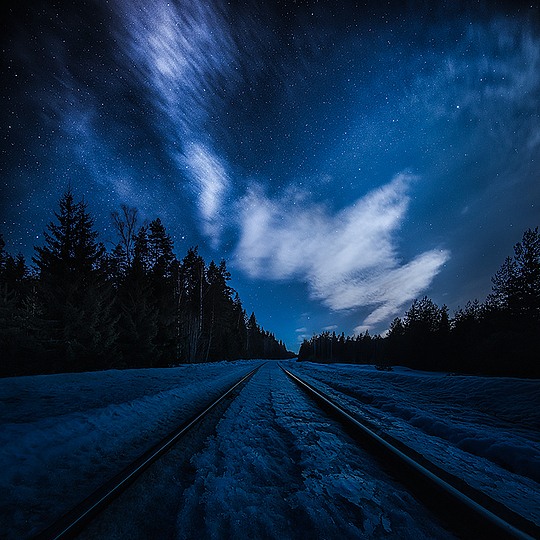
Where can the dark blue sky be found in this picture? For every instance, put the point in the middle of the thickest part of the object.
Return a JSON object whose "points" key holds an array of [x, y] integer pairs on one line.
{"points": [[343, 160]]}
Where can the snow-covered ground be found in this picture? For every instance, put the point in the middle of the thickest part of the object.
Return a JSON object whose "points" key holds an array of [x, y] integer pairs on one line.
{"points": [[275, 467], [62, 436], [484, 430]]}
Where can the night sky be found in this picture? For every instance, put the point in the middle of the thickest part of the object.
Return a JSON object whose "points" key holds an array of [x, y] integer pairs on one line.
{"points": [[344, 158]]}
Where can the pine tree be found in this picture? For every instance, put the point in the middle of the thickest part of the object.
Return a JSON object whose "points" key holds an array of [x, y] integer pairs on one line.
{"points": [[73, 291], [422, 324], [239, 329], [192, 288], [504, 290], [527, 286], [422, 317], [220, 320], [254, 341], [396, 329], [71, 249], [160, 250], [163, 277]]}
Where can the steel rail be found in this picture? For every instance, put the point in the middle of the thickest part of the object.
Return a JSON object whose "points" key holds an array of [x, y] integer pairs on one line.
{"points": [[72, 522], [457, 508]]}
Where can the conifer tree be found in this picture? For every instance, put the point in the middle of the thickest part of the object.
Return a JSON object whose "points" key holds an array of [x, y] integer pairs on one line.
{"points": [[527, 287], [192, 288], [163, 277], [75, 296], [254, 347], [239, 330], [160, 250], [503, 296], [220, 320]]}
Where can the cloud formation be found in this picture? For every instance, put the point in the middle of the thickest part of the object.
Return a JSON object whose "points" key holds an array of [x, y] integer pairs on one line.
{"points": [[349, 260], [211, 183], [185, 55], [495, 62]]}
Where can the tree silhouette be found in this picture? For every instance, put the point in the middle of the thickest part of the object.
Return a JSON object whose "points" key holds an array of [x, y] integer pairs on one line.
{"points": [[136, 306], [73, 290]]}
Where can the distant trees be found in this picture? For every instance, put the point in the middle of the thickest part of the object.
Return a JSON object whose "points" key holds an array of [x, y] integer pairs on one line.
{"points": [[137, 306], [499, 337], [329, 347], [83, 308], [263, 344]]}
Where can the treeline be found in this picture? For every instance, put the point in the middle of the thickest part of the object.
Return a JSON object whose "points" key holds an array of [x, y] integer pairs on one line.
{"points": [[83, 308], [498, 337]]}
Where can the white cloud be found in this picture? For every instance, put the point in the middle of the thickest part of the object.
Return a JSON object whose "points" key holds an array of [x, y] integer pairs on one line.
{"points": [[349, 259], [301, 330], [211, 183]]}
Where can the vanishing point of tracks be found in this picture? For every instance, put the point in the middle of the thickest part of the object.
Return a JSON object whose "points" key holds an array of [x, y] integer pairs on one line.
{"points": [[470, 513]]}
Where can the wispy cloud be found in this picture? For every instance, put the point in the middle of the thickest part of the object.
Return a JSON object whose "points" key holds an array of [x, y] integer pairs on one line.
{"points": [[185, 55], [349, 259], [210, 184], [78, 117], [496, 61]]}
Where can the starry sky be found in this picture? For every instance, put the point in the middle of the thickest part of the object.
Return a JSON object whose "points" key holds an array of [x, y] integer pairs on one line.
{"points": [[344, 157]]}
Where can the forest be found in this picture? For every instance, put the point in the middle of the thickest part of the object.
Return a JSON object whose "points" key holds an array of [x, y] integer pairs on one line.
{"points": [[500, 336], [82, 308]]}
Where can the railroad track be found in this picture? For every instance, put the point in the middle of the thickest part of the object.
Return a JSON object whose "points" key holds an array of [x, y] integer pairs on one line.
{"points": [[74, 521], [445, 495], [480, 516]]}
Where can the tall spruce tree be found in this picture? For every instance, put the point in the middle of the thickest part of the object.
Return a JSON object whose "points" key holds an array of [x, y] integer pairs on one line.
{"points": [[192, 288], [163, 272], [220, 319], [74, 293], [239, 329]]}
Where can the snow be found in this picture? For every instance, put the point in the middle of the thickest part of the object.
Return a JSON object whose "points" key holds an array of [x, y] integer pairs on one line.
{"points": [[484, 430], [62, 436], [277, 468], [274, 467]]}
